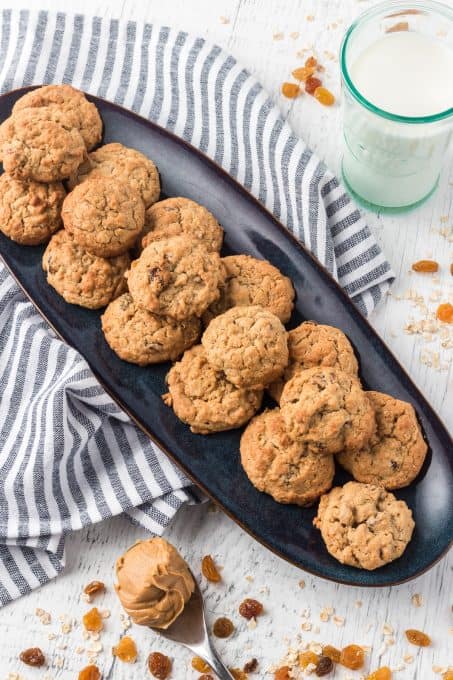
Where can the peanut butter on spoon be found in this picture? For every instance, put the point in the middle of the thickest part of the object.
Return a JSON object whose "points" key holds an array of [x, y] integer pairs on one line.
{"points": [[154, 583]]}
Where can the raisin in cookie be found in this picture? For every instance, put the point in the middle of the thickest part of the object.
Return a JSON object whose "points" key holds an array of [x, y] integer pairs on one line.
{"points": [[328, 409], [143, 338], [41, 145], [313, 344], [104, 215], [126, 165], [280, 466], [176, 277], [69, 100], [396, 453], [364, 525], [248, 344], [253, 282], [182, 217], [82, 278], [204, 399], [30, 212]]}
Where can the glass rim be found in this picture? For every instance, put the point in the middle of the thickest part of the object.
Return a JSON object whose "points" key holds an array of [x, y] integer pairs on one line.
{"points": [[427, 5]]}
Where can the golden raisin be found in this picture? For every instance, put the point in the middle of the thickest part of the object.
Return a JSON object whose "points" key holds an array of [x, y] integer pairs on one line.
{"points": [[448, 675], [222, 627], [312, 84], [159, 665], [92, 621], [33, 657], [126, 650], [416, 637], [238, 674], [445, 312], [209, 569], [250, 609], [90, 673], [311, 62], [251, 666], [303, 72], [282, 673], [94, 588], [383, 673], [206, 676], [307, 658], [451, 272], [324, 666], [425, 266], [332, 652], [198, 664], [352, 657], [324, 96], [291, 90]]}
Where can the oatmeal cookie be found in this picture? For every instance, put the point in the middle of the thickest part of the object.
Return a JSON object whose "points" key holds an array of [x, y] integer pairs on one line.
{"points": [[280, 466], [364, 525], [30, 212], [253, 282], [248, 344], [328, 409], [41, 145], [395, 455], [66, 98], [143, 338], [204, 399], [129, 166], [313, 344], [182, 217], [176, 277], [81, 278], [104, 216]]}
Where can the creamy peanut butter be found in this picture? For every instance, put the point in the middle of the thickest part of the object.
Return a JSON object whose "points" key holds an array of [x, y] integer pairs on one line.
{"points": [[154, 583]]}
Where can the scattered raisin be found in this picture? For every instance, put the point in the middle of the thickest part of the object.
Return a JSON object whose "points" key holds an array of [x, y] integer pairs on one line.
{"points": [[238, 674], [33, 657], [251, 666], [307, 658], [282, 673], [448, 675], [92, 621], [90, 673], [352, 657], [94, 588], [303, 73], [206, 676], [311, 84], [383, 673], [416, 637], [445, 312], [209, 569], [324, 666], [200, 665], [425, 266], [451, 269], [223, 627], [332, 652], [250, 609], [291, 90], [126, 650], [324, 96], [311, 62], [159, 665]]}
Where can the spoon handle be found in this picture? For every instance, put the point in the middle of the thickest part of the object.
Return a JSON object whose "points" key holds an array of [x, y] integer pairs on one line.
{"points": [[211, 656]]}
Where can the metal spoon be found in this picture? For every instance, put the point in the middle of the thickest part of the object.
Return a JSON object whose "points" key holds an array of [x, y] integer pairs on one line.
{"points": [[190, 630]]}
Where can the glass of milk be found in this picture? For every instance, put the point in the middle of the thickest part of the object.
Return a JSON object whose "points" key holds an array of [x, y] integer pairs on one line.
{"points": [[397, 73]]}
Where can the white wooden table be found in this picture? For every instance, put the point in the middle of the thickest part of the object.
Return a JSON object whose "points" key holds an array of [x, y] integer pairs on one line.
{"points": [[258, 33]]}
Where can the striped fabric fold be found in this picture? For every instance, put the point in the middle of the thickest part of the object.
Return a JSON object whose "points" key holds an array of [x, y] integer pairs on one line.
{"points": [[69, 456]]}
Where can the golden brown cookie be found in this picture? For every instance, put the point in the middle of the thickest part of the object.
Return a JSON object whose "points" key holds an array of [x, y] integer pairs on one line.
{"points": [[127, 165], [66, 98], [280, 466], [204, 399], [364, 525], [176, 277], [327, 409], [104, 216], [142, 337], [81, 278], [395, 455], [182, 217], [253, 282], [313, 344], [42, 145], [248, 344], [30, 212]]}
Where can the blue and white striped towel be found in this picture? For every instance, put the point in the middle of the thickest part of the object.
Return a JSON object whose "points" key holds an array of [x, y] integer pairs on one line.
{"points": [[68, 455]]}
